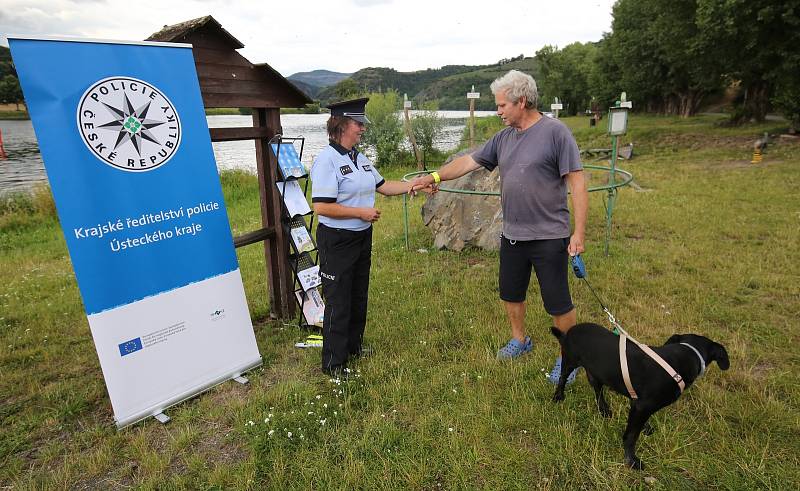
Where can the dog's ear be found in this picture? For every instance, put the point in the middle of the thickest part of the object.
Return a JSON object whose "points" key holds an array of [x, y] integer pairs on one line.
{"points": [[719, 354], [675, 338], [558, 334]]}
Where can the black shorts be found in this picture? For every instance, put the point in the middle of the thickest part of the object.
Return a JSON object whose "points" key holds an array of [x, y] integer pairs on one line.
{"points": [[549, 259]]}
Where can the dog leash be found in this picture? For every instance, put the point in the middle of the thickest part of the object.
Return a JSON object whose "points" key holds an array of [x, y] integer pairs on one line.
{"points": [[579, 268]]}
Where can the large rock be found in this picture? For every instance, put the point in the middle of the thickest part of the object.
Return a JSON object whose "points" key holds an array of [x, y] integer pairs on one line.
{"points": [[466, 220]]}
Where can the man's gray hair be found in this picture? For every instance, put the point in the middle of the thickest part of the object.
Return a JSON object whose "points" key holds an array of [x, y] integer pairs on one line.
{"points": [[516, 85]]}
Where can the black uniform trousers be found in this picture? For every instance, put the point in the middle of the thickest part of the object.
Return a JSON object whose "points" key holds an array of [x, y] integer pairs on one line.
{"points": [[345, 259]]}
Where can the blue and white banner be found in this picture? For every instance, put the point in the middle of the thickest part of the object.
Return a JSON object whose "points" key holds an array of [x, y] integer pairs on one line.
{"points": [[122, 131]]}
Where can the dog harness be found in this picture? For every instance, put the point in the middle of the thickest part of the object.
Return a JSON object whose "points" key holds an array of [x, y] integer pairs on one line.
{"points": [[623, 362], [579, 269]]}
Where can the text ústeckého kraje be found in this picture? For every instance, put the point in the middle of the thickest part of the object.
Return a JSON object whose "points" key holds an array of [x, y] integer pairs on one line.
{"points": [[161, 217]]}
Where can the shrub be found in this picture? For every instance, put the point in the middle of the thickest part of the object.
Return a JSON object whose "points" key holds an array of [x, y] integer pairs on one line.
{"points": [[385, 132]]}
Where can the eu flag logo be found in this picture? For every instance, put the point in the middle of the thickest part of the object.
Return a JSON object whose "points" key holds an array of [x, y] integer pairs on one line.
{"points": [[129, 347]]}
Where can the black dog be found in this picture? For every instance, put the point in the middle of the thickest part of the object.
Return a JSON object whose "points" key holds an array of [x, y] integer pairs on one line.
{"points": [[596, 349]]}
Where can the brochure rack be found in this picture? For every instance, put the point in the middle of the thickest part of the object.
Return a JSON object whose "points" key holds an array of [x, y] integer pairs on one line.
{"points": [[293, 186]]}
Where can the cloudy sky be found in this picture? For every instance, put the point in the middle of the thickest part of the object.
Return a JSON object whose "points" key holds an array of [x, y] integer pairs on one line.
{"points": [[338, 35]]}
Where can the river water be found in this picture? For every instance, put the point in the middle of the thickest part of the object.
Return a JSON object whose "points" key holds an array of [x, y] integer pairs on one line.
{"points": [[23, 167]]}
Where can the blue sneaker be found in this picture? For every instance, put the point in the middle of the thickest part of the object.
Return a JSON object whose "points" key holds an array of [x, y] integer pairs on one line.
{"points": [[515, 349], [555, 373]]}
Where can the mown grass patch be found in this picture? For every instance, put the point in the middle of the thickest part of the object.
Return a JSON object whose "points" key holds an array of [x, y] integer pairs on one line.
{"points": [[709, 246]]}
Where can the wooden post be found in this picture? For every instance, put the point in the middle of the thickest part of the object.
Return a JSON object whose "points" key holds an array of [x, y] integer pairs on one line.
{"points": [[555, 107], [410, 133], [471, 96], [276, 247]]}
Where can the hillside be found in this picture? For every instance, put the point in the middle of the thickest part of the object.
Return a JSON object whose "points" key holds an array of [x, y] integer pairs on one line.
{"points": [[450, 92], [447, 86]]}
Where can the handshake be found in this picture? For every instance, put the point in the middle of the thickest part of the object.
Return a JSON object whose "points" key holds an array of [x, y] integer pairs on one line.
{"points": [[425, 183]]}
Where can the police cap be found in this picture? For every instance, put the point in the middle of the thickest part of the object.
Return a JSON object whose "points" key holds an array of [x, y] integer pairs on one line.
{"points": [[353, 109]]}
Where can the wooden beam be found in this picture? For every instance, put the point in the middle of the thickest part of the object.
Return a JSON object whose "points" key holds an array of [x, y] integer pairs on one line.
{"points": [[235, 134], [211, 99], [276, 249], [253, 237]]}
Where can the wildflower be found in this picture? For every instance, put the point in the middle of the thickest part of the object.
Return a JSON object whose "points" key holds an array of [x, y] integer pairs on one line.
{"points": [[450, 429], [323, 421], [270, 433], [289, 434]]}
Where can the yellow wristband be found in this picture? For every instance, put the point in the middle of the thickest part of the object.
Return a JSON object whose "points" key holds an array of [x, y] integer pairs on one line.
{"points": [[436, 178]]}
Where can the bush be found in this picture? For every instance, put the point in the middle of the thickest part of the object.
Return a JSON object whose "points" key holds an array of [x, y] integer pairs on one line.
{"points": [[427, 127], [385, 131]]}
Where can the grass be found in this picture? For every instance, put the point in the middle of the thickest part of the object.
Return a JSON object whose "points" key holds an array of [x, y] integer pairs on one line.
{"points": [[14, 114], [709, 246]]}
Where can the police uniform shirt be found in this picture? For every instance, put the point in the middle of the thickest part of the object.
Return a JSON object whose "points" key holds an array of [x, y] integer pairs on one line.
{"points": [[336, 178]]}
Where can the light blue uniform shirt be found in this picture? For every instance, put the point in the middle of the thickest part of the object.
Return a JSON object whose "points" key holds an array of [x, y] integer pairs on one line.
{"points": [[336, 179]]}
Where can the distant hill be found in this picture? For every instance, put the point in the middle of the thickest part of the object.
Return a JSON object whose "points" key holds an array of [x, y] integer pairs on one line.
{"points": [[314, 81], [310, 90], [447, 86]]}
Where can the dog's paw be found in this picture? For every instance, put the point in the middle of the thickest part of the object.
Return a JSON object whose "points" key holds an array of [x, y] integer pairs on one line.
{"points": [[558, 396], [634, 463], [605, 412], [648, 429]]}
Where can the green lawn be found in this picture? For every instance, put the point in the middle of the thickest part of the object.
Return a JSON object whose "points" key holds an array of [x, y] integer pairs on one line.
{"points": [[709, 244]]}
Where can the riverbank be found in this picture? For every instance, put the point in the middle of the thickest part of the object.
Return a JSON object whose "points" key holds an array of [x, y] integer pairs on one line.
{"points": [[699, 249], [14, 115]]}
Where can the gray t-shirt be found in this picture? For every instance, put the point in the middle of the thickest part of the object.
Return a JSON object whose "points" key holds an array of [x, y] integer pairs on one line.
{"points": [[533, 190]]}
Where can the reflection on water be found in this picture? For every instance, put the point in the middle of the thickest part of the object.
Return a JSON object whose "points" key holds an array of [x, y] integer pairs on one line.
{"points": [[24, 168]]}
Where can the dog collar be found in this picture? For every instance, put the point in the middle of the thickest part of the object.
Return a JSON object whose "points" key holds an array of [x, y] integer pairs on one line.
{"points": [[702, 361]]}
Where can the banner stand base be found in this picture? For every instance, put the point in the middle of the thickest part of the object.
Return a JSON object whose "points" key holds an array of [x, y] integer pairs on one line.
{"points": [[242, 380], [157, 411]]}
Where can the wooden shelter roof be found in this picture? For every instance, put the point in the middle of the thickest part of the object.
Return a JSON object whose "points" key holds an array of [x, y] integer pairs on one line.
{"points": [[228, 79]]}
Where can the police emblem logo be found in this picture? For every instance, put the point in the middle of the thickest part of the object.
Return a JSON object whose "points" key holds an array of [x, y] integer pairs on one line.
{"points": [[366, 167], [345, 169], [129, 124]]}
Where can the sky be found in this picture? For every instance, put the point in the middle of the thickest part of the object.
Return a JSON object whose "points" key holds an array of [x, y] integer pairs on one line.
{"points": [[338, 35]]}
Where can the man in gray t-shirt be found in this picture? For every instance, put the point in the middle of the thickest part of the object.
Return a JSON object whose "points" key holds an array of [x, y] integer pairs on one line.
{"points": [[538, 158]]}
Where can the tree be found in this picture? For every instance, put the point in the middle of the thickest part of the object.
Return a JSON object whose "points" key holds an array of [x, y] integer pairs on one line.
{"points": [[565, 74], [347, 89], [427, 126], [385, 131], [756, 43], [10, 91], [661, 56]]}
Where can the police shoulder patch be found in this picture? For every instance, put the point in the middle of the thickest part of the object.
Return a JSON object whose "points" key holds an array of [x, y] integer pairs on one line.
{"points": [[345, 169], [367, 167]]}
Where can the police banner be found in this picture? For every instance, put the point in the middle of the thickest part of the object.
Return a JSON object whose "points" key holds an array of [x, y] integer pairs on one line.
{"points": [[122, 131]]}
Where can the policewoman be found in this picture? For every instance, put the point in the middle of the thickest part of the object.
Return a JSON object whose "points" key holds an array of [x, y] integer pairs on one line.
{"points": [[343, 186]]}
